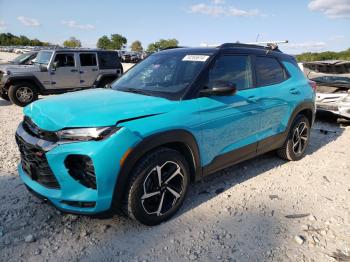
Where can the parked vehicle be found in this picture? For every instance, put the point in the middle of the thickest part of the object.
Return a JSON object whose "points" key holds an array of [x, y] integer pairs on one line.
{"points": [[59, 71], [333, 85], [175, 117], [24, 59]]}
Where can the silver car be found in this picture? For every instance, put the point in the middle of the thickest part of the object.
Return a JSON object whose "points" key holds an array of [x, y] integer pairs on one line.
{"points": [[333, 85], [59, 71]]}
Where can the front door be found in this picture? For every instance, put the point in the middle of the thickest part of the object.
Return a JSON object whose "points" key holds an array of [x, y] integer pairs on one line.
{"points": [[230, 122], [65, 74]]}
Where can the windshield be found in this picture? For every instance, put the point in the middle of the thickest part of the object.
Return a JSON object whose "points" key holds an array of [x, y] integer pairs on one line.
{"points": [[43, 57], [164, 75], [21, 58]]}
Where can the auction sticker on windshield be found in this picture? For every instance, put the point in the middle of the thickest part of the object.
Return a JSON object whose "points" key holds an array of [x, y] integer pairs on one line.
{"points": [[195, 58]]}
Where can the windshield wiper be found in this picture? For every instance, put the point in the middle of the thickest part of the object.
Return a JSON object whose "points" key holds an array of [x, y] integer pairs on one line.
{"points": [[134, 90]]}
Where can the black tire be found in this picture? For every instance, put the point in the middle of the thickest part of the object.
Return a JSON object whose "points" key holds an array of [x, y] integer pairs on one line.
{"points": [[153, 210], [5, 97], [105, 82], [294, 147], [22, 94]]}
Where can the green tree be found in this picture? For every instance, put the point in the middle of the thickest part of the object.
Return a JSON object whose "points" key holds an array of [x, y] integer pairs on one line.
{"points": [[328, 55], [117, 41], [162, 44], [103, 42], [10, 39], [136, 46], [72, 42]]}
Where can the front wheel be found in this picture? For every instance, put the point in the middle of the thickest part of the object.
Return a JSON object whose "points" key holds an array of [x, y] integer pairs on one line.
{"points": [[297, 140], [22, 94], [158, 187]]}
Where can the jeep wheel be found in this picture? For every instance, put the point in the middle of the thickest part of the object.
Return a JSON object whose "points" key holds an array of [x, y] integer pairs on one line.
{"points": [[22, 94], [5, 97], [297, 140], [158, 187]]}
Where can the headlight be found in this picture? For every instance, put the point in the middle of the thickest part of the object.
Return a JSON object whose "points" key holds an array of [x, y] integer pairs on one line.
{"points": [[86, 134]]}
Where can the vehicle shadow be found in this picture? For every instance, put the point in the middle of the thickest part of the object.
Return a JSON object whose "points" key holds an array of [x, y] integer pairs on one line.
{"points": [[5, 102], [238, 228]]}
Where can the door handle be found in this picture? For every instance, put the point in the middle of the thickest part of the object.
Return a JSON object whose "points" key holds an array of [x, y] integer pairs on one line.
{"points": [[94, 69], [252, 99], [294, 91], [74, 70]]}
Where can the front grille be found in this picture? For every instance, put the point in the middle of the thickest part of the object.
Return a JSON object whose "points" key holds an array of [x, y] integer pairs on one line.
{"points": [[81, 168], [34, 130], [34, 163]]}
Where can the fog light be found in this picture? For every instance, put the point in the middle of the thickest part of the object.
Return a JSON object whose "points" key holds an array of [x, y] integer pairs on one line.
{"points": [[81, 168]]}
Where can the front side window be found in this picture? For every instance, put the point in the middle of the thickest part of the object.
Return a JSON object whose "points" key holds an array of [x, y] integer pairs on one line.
{"points": [[164, 75], [88, 59], [269, 71], [233, 70], [65, 60]]}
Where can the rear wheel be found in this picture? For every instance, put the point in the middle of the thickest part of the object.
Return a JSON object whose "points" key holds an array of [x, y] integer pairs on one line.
{"points": [[22, 94], [297, 140], [158, 187]]}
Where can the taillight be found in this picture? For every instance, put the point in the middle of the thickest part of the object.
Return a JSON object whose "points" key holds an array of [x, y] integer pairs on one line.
{"points": [[313, 85]]}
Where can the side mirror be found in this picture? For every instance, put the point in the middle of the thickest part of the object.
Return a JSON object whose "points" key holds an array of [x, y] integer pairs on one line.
{"points": [[54, 66], [108, 86], [43, 68], [220, 89]]}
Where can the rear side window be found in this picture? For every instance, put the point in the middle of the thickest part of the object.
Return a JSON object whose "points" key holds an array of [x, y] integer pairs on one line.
{"points": [[233, 69], [109, 60], [88, 59], [269, 71]]}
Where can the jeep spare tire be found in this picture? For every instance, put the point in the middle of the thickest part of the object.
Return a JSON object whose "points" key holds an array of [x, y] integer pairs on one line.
{"points": [[22, 94]]}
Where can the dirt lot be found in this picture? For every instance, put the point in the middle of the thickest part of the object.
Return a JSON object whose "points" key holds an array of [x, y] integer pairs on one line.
{"points": [[264, 209]]}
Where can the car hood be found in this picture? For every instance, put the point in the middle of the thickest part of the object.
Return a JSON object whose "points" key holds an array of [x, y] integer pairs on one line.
{"points": [[94, 108], [14, 69]]}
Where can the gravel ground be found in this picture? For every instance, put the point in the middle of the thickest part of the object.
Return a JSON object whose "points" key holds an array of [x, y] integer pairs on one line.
{"points": [[264, 209]]}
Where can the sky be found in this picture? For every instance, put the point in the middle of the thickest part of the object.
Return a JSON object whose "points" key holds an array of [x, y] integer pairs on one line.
{"points": [[309, 25]]}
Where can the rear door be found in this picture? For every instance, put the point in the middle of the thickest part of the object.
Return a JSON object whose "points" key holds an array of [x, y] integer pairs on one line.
{"points": [[66, 74], [89, 69]]}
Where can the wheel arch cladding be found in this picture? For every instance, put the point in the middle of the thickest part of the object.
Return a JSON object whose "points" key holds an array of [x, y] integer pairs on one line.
{"points": [[306, 108], [30, 79], [180, 140]]}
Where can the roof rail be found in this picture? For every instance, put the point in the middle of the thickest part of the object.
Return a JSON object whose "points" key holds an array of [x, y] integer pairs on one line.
{"points": [[270, 45]]}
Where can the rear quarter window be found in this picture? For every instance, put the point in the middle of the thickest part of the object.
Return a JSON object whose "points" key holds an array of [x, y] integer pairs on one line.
{"points": [[108, 60], [269, 71]]}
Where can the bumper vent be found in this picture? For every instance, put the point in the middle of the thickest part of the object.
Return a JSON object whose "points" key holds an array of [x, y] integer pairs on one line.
{"points": [[81, 168], [35, 164], [34, 130]]}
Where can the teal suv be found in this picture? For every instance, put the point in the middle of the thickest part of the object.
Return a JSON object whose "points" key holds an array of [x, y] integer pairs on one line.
{"points": [[175, 117]]}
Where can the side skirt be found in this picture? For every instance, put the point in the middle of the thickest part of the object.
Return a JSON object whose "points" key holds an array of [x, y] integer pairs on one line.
{"points": [[244, 153]]}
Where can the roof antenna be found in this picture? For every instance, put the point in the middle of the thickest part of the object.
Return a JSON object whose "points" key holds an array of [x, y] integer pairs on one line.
{"points": [[257, 37]]}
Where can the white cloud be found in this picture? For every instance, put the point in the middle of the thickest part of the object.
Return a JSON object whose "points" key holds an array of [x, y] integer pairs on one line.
{"points": [[216, 10], [331, 8], [27, 21], [218, 2], [2, 25], [75, 24]]}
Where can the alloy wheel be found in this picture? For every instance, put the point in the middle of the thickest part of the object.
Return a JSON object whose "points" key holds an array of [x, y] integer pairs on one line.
{"points": [[24, 94], [162, 188], [300, 138]]}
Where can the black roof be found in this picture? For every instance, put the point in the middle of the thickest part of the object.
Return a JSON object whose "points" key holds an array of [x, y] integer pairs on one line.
{"points": [[78, 50], [230, 47]]}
